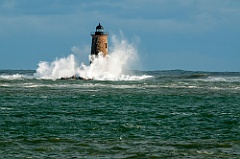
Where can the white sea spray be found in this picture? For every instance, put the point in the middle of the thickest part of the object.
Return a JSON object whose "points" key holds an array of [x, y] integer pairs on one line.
{"points": [[113, 66]]}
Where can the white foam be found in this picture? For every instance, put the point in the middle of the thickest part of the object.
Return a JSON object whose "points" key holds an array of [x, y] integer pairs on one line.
{"points": [[5, 85], [111, 67], [5, 108], [220, 79], [63, 67], [12, 77]]}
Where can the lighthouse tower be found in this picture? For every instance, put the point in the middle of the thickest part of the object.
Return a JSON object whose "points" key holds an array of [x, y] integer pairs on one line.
{"points": [[99, 42]]}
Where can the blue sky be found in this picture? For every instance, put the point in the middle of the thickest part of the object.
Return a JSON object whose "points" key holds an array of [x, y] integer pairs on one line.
{"points": [[197, 35]]}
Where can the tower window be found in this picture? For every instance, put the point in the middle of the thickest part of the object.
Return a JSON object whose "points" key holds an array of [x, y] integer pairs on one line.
{"points": [[105, 45]]}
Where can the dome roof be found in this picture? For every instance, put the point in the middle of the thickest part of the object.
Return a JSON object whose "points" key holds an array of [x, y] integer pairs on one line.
{"points": [[99, 27]]}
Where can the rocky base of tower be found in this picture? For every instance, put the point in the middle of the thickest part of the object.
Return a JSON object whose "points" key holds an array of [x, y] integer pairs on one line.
{"points": [[75, 78]]}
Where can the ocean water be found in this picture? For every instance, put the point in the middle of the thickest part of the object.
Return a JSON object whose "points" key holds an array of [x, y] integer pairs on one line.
{"points": [[161, 114]]}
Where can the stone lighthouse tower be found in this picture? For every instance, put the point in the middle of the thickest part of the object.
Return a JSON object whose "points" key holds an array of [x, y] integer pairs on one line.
{"points": [[99, 42]]}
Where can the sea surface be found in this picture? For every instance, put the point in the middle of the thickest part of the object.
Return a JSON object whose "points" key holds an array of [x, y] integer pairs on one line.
{"points": [[168, 114]]}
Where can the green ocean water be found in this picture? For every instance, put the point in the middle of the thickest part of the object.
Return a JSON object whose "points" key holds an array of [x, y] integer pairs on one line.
{"points": [[172, 114]]}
